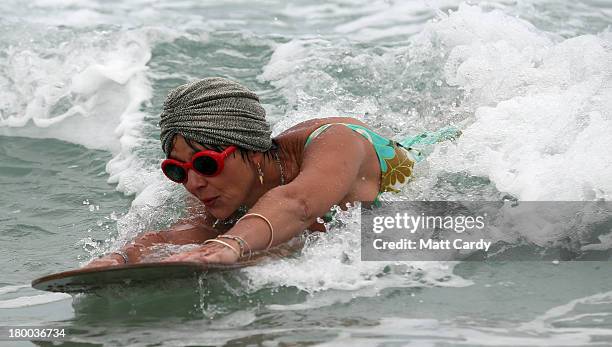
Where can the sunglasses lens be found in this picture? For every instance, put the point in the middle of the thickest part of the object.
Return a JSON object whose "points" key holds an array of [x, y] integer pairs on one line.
{"points": [[205, 165], [175, 173]]}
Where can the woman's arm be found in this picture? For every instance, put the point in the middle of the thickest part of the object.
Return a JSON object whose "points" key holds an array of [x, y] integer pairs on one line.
{"points": [[330, 168]]}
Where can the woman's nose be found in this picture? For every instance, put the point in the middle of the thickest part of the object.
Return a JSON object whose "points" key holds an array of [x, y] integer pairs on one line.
{"points": [[195, 181]]}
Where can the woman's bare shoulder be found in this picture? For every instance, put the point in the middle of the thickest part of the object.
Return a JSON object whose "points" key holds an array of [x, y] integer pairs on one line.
{"points": [[292, 140], [297, 134]]}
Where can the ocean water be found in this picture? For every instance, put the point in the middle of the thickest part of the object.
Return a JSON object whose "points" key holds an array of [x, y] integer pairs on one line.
{"points": [[528, 82]]}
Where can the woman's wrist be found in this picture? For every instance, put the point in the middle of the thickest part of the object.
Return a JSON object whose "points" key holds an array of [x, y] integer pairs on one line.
{"points": [[244, 249], [231, 245], [117, 257], [130, 253], [256, 230]]}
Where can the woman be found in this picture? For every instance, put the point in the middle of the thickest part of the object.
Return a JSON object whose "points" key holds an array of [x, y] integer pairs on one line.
{"points": [[218, 146]]}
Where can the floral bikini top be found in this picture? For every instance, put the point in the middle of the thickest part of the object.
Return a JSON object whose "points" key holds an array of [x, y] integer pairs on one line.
{"points": [[396, 162]]}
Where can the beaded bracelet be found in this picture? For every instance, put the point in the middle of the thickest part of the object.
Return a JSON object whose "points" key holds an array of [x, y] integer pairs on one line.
{"points": [[241, 243]]}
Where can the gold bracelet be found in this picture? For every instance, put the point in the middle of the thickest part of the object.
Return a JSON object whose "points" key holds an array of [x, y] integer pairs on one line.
{"points": [[224, 244], [241, 243], [267, 221]]}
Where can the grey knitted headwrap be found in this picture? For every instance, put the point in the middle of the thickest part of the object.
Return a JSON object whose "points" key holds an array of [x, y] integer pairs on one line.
{"points": [[215, 111]]}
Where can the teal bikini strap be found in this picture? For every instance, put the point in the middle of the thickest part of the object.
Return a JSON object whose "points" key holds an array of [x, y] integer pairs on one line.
{"points": [[426, 138], [356, 127], [318, 131], [420, 145]]}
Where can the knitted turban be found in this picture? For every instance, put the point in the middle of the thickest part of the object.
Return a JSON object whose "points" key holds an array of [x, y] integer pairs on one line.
{"points": [[215, 111]]}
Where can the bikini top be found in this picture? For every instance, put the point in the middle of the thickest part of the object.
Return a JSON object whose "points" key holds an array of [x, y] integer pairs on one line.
{"points": [[396, 159], [396, 162]]}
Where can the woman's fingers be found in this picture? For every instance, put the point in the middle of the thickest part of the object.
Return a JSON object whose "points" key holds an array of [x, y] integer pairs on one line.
{"points": [[206, 254], [102, 262]]}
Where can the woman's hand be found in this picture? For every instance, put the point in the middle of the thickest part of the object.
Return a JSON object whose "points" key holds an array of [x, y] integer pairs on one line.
{"points": [[209, 253], [134, 252], [108, 260]]}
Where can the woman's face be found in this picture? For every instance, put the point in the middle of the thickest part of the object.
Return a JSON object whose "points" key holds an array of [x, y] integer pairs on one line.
{"points": [[221, 194]]}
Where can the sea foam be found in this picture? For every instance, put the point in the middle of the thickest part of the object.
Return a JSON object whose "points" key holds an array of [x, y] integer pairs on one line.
{"points": [[542, 105]]}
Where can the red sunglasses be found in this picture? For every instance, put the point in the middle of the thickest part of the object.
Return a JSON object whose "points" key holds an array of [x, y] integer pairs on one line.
{"points": [[206, 163]]}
